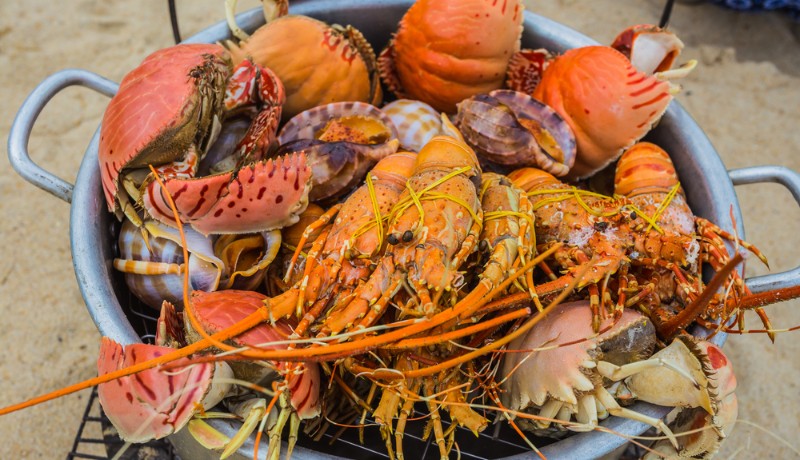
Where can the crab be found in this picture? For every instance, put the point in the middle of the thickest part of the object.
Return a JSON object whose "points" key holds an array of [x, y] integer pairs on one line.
{"points": [[573, 372], [167, 114], [704, 443], [158, 402]]}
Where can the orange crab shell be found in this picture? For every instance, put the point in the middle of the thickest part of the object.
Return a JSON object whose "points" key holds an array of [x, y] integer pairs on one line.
{"points": [[607, 102], [319, 65], [447, 51]]}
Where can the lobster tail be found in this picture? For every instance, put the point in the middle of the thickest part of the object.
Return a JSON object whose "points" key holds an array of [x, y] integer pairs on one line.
{"points": [[644, 168]]}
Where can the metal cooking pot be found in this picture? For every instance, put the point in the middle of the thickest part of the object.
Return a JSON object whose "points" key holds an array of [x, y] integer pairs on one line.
{"points": [[109, 302]]}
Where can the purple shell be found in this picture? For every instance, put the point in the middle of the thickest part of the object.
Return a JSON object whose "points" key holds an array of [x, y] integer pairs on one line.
{"points": [[492, 124]]}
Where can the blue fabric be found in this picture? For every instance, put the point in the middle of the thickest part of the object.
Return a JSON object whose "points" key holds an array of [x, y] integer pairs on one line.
{"points": [[790, 6]]}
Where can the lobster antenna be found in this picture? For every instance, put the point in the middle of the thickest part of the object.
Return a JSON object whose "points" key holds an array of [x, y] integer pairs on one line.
{"points": [[173, 20], [664, 22]]}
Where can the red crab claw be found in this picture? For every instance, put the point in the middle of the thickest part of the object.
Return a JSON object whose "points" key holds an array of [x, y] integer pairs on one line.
{"points": [[154, 403], [260, 197], [252, 86]]}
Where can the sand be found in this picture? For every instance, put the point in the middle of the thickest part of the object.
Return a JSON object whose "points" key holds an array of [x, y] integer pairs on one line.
{"points": [[745, 94]]}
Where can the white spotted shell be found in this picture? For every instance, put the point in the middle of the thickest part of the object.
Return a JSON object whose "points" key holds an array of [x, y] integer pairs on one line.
{"points": [[416, 121]]}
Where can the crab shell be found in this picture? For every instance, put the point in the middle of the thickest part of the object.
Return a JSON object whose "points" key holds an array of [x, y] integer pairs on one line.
{"points": [[163, 245], [416, 122], [263, 196], [512, 129], [155, 403], [607, 102], [219, 310], [704, 443], [159, 110], [320, 64], [340, 154], [431, 60], [532, 378]]}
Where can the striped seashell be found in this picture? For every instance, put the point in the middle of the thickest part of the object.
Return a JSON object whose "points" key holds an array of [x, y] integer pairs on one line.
{"points": [[512, 129], [308, 124], [154, 268], [342, 141], [417, 122]]}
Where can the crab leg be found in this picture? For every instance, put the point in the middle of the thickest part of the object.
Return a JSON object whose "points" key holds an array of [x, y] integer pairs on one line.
{"points": [[587, 414], [549, 411], [613, 408], [617, 373]]}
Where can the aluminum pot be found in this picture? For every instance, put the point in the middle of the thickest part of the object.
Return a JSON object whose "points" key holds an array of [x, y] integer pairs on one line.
{"points": [[708, 186]]}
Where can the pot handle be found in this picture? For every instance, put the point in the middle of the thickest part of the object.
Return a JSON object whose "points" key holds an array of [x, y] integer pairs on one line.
{"points": [[791, 180], [23, 124]]}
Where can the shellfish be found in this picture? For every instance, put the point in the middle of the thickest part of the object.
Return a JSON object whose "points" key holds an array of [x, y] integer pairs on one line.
{"points": [[512, 129], [429, 59]]}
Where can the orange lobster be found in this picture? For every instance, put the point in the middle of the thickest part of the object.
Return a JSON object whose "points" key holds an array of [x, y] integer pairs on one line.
{"points": [[673, 240], [587, 223]]}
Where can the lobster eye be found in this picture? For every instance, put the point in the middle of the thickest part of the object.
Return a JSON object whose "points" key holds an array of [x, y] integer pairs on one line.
{"points": [[483, 245], [392, 239], [408, 235]]}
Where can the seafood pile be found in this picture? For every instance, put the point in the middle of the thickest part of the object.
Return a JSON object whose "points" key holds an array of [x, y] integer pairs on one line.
{"points": [[318, 257]]}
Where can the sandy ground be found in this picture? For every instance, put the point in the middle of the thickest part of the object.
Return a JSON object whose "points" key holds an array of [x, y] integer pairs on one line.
{"points": [[745, 93]]}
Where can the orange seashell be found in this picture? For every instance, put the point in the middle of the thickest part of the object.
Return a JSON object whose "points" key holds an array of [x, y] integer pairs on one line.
{"points": [[650, 48], [607, 102], [448, 50], [320, 64]]}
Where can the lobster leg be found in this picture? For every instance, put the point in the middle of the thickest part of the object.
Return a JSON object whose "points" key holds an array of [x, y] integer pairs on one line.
{"points": [[405, 412], [706, 227], [460, 412], [381, 287], [436, 419], [669, 328], [320, 222]]}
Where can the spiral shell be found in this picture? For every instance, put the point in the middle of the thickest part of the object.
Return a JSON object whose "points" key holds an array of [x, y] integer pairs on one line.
{"points": [[342, 141], [513, 129], [153, 268], [246, 257], [416, 121]]}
